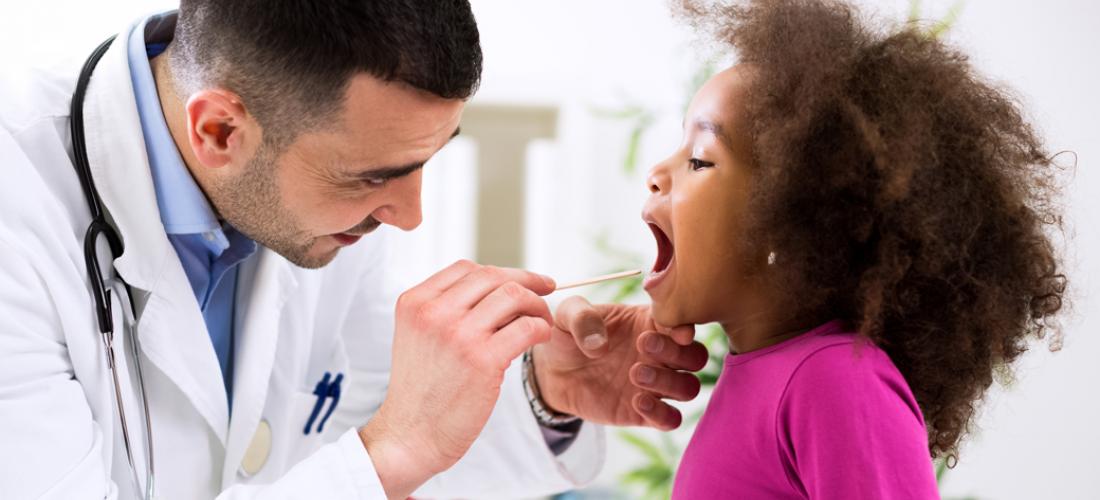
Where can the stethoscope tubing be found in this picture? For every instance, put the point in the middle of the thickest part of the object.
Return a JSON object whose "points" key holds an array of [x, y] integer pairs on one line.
{"points": [[100, 292]]}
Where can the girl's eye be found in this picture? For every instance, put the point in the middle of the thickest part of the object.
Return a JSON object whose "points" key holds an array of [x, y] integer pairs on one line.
{"points": [[697, 164]]}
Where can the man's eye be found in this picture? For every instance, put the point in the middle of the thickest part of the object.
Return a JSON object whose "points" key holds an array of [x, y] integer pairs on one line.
{"points": [[374, 182], [697, 164]]}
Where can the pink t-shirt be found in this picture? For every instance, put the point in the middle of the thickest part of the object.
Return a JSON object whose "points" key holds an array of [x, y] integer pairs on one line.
{"points": [[822, 415]]}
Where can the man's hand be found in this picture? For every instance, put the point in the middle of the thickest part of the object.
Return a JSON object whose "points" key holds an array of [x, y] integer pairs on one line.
{"points": [[455, 335], [611, 364]]}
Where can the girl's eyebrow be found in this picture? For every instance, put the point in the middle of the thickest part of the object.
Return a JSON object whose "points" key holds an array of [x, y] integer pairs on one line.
{"points": [[714, 128], [709, 126]]}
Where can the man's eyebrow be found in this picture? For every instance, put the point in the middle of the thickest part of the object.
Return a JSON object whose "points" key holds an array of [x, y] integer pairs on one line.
{"points": [[387, 173]]}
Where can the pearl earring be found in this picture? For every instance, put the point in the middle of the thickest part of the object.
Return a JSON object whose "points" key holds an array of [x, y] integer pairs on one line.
{"points": [[771, 258]]}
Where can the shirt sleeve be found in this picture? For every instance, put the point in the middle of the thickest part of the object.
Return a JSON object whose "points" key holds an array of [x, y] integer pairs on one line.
{"points": [[558, 440], [849, 427]]}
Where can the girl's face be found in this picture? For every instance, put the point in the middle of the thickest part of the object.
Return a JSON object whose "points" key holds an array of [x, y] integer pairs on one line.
{"points": [[698, 198]]}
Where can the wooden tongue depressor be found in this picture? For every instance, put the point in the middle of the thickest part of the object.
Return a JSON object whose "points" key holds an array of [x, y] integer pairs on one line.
{"points": [[599, 279]]}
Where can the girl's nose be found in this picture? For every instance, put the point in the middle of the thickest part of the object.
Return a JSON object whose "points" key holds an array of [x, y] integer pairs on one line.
{"points": [[657, 179]]}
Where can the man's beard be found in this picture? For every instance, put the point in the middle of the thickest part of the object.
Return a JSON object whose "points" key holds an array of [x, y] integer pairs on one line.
{"points": [[251, 203]]}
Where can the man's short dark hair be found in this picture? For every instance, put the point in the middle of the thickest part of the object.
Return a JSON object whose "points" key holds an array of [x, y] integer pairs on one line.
{"points": [[291, 60]]}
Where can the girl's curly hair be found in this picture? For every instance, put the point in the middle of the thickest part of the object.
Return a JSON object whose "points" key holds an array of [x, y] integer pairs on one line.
{"points": [[899, 191]]}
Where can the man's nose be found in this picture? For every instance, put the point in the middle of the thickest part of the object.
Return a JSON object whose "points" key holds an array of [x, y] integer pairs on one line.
{"points": [[402, 208]]}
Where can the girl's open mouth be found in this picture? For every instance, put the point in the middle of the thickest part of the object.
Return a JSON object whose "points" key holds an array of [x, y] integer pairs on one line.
{"points": [[664, 260]]}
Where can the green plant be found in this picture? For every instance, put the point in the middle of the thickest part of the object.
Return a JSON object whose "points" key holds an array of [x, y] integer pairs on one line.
{"points": [[941, 25], [640, 118], [655, 476]]}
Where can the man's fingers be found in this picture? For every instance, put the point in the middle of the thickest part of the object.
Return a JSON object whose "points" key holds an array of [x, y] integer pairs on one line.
{"points": [[683, 334], [471, 288], [662, 349], [518, 336], [656, 413], [503, 305], [580, 319], [681, 386], [444, 278]]}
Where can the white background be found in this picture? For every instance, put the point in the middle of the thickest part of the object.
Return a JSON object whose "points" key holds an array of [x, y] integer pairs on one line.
{"points": [[1039, 438]]}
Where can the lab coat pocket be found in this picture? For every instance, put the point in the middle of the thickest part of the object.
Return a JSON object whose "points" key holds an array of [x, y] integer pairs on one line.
{"points": [[294, 435]]}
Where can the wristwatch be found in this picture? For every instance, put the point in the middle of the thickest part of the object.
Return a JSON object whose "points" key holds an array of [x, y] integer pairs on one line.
{"points": [[545, 416]]}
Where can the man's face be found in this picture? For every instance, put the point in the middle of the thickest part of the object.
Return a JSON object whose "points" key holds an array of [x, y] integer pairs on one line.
{"points": [[327, 188]]}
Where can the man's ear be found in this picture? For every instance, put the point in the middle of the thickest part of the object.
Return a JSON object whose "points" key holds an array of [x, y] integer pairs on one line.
{"points": [[219, 127]]}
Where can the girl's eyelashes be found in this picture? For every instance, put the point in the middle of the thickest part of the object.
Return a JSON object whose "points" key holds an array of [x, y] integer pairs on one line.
{"points": [[697, 164]]}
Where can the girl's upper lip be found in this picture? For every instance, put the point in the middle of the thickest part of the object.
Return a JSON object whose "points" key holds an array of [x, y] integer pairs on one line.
{"points": [[650, 217]]}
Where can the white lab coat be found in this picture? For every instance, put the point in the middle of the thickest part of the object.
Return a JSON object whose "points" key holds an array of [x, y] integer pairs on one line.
{"points": [[59, 432]]}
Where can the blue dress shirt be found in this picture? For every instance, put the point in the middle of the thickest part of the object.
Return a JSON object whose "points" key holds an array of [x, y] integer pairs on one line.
{"points": [[208, 249]]}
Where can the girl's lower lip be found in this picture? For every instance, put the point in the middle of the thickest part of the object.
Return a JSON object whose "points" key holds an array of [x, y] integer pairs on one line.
{"points": [[653, 279], [346, 239]]}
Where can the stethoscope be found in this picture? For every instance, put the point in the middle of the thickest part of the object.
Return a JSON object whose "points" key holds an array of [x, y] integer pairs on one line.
{"points": [[100, 292]]}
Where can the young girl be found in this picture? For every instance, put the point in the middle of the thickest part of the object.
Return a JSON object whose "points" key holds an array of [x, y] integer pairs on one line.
{"points": [[868, 220]]}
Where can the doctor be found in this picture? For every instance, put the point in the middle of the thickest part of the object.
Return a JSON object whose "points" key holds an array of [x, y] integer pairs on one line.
{"points": [[236, 153]]}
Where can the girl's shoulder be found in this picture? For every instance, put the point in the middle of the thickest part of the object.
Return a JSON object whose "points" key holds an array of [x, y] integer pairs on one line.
{"points": [[846, 403], [845, 371]]}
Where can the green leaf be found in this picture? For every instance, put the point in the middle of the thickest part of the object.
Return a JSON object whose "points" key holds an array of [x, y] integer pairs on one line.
{"points": [[914, 11], [672, 450], [648, 475], [654, 479], [629, 287], [661, 491], [707, 379], [698, 78], [948, 20], [634, 142], [649, 449]]}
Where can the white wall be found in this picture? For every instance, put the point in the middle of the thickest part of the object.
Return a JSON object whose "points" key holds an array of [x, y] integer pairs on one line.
{"points": [[1038, 439]]}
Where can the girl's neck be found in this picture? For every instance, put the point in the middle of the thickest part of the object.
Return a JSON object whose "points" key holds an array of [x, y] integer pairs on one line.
{"points": [[763, 328], [757, 320]]}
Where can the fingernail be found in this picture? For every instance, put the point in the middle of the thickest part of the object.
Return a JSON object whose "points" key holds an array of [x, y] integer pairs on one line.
{"points": [[646, 375], [646, 404], [654, 344], [594, 341], [550, 283]]}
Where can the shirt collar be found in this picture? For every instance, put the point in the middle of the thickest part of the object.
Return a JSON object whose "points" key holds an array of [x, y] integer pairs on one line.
{"points": [[184, 208]]}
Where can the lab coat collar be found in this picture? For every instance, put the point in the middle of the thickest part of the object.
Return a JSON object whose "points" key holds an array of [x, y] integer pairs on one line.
{"points": [[266, 283]]}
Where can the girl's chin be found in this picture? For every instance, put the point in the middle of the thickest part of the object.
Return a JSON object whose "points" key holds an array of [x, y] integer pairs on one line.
{"points": [[668, 313]]}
